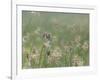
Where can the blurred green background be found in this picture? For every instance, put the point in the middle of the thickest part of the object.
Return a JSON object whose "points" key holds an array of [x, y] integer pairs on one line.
{"points": [[70, 39]]}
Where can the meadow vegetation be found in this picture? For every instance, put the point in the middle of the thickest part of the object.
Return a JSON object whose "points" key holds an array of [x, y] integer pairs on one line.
{"points": [[51, 39]]}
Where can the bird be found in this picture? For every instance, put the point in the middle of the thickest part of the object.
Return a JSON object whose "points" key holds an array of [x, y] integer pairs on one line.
{"points": [[47, 41], [47, 36]]}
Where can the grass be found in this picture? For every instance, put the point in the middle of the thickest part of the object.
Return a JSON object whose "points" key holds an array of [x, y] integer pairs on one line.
{"points": [[68, 34]]}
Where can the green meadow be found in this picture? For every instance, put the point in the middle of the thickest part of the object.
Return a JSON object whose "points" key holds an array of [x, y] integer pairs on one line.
{"points": [[54, 39]]}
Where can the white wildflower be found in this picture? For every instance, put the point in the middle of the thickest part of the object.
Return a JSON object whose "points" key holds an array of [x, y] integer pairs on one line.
{"points": [[77, 39], [77, 61], [37, 31], [85, 46]]}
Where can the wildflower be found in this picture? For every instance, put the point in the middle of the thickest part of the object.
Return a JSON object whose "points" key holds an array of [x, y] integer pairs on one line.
{"points": [[78, 45], [77, 39], [34, 50], [55, 56], [29, 59], [52, 60], [67, 48], [33, 56], [47, 44], [77, 61], [56, 53], [37, 31], [25, 38], [54, 38], [85, 46]]}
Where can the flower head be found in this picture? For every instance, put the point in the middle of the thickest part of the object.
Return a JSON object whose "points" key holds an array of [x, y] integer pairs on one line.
{"points": [[85, 45], [77, 61], [37, 31], [77, 39]]}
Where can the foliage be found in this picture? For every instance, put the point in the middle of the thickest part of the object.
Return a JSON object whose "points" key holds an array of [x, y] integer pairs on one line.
{"points": [[69, 44]]}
